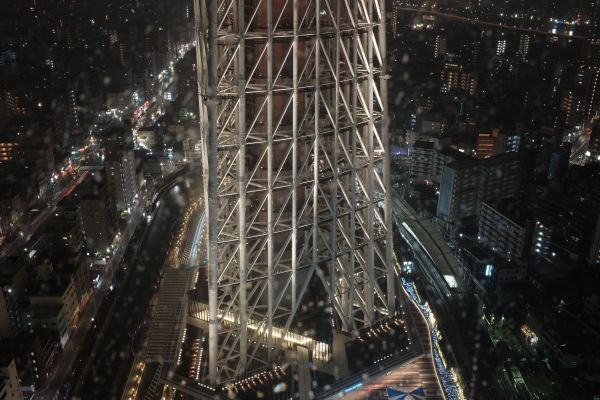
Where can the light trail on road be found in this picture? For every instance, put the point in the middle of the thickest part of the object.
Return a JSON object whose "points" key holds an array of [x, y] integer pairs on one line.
{"points": [[487, 23], [39, 220]]}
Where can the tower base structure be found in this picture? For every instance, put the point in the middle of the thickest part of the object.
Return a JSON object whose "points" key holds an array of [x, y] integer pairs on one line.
{"points": [[295, 159]]}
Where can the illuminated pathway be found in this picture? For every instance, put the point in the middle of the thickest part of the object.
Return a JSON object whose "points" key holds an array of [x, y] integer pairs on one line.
{"points": [[166, 331], [447, 376], [439, 266], [428, 371], [419, 372]]}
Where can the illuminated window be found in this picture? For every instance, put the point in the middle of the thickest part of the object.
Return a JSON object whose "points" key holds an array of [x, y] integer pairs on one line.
{"points": [[489, 269]]}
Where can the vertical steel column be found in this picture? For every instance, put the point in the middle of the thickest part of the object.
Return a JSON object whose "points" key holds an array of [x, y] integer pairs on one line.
{"points": [[335, 239], [370, 256], [213, 203], [387, 183], [353, 174], [270, 182], [294, 266], [241, 175], [316, 160]]}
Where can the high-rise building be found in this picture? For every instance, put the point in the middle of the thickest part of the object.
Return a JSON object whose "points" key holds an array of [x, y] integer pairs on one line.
{"points": [[454, 77], [581, 95], [458, 193], [500, 178], [67, 286], [486, 141], [296, 172], [120, 173], [13, 277], [13, 103], [505, 229], [501, 47], [592, 107], [96, 212], [395, 22], [73, 107], [567, 230], [466, 184], [594, 143], [31, 152], [10, 388], [428, 158], [558, 161], [441, 46], [507, 143], [573, 105], [594, 17], [421, 160], [494, 142], [523, 51]]}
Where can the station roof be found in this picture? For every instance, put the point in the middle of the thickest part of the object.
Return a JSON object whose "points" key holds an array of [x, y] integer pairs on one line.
{"points": [[169, 317]]}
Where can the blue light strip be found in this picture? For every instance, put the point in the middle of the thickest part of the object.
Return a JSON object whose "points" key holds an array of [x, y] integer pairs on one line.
{"points": [[446, 378], [353, 387]]}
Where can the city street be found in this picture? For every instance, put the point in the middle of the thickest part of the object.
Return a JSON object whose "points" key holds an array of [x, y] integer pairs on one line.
{"points": [[108, 291], [87, 319], [111, 352], [127, 244], [39, 220]]}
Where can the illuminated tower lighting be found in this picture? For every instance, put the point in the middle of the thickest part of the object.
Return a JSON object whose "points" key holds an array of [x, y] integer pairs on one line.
{"points": [[296, 172]]}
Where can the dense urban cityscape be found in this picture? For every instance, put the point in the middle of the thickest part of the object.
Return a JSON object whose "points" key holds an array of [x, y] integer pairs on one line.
{"points": [[300, 199]]}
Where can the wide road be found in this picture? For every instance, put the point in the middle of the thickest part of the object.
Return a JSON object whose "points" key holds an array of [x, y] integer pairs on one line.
{"points": [[488, 24], [95, 307], [106, 364]]}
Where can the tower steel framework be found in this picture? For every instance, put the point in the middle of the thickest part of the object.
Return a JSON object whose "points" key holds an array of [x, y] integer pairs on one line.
{"points": [[293, 101]]}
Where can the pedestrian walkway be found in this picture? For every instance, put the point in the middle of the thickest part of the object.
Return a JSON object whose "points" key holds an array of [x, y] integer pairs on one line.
{"points": [[420, 372]]}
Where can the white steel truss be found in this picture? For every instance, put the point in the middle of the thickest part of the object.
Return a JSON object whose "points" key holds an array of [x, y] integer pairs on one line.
{"points": [[295, 158]]}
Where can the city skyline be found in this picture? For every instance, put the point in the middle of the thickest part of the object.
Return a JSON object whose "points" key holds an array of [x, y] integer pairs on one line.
{"points": [[312, 199]]}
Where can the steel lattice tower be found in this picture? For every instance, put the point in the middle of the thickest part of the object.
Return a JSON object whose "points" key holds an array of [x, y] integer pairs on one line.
{"points": [[296, 170]]}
